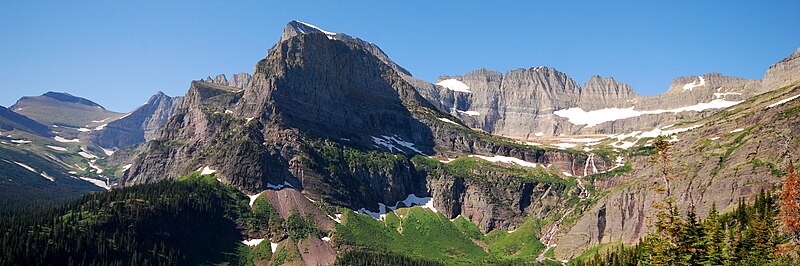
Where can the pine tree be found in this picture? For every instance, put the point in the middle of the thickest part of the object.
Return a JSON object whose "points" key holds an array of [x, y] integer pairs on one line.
{"points": [[790, 204], [716, 252]]}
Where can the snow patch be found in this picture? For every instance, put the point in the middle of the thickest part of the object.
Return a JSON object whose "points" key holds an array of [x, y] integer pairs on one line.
{"points": [[60, 139], [386, 141], [697, 83], [95, 167], [737, 130], [252, 242], [539, 134], [57, 148], [448, 121], [273, 246], [714, 138], [43, 174], [328, 33], [504, 159], [782, 101], [447, 160], [107, 151], [425, 202], [87, 155], [19, 141], [126, 167], [100, 121], [253, 198], [83, 129], [326, 239], [96, 182], [207, 171], [454, 85], [469, 113], [101, 127], [648, 134]]}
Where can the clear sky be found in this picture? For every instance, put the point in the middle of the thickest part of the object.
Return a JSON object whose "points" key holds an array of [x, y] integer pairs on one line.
{"points": [[118, 54]]}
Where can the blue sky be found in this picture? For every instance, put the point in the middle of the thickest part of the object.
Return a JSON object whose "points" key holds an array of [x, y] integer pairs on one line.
{"points": [[118, 54]]}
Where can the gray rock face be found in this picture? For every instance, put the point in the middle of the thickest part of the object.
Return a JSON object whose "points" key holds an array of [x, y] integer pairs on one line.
{"points": [[521, 103], [139, 125], [311, 104], [239, 80], [783, 73]]}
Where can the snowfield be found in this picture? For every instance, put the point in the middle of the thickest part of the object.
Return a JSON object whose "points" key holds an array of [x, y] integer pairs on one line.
{"points": [[578, 116], [454, 85]]}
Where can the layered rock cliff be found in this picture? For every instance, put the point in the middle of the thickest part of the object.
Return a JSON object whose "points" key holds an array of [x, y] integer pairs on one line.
{"points": [[139, 125], [523, 103], [327, 116]]}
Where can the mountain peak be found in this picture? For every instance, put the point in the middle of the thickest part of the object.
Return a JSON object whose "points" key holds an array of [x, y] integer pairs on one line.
{"points": [[66, 97], [295, 28]]}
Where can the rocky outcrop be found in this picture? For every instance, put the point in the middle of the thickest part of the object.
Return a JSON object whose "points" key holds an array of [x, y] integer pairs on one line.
{"points": [[139, 125], [499, 202], [239, 80], [783, 73]]}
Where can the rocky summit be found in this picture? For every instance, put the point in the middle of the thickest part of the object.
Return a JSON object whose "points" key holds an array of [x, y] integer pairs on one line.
{"points": [[331, 153]]}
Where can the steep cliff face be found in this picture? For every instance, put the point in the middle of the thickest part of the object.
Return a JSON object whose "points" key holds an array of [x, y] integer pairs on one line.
{"points": [[139, 125], [782, 73], [542, 102], [327, 116], [239, 80]]}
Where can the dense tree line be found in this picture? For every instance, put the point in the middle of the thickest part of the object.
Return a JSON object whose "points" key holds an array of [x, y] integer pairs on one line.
{"points": [[747, 236], [762, 233], [170, 222]]}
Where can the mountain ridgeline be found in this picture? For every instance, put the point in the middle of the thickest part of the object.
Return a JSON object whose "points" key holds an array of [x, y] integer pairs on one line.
{"points": [[324, 116], [347, 158]]}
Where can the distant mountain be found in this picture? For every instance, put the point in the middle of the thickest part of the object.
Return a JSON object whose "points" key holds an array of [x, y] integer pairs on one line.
{"points": [[139, 125], [330, 151], [325, 115], [544, 102], [62, 109], [10, 120]]}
